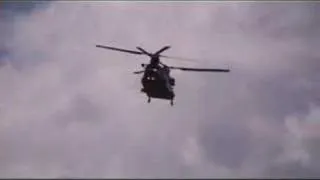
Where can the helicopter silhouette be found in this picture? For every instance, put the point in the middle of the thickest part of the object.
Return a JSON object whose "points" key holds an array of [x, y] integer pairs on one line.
{"points": [[156, 80]]}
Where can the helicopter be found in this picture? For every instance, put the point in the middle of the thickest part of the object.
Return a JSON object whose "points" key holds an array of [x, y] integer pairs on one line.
{"points": [[156, 80]]}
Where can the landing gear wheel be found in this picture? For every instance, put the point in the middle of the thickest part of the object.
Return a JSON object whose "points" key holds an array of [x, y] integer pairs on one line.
{"points": [[171, 102], [149, 99]]}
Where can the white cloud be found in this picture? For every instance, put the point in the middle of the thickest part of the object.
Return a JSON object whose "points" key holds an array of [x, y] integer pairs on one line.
{"points": [[72, 110]]}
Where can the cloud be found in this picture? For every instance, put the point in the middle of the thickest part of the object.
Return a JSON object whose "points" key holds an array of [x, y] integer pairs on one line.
{"points": [[72, 110]]}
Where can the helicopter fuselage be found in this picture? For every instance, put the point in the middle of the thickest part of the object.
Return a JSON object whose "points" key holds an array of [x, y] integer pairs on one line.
{"points": [[157, 83]]}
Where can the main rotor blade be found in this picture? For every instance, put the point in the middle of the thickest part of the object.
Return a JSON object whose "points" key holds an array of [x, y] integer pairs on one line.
{"points": [[161, 50], [138, 72], [119, 49], [178, 58], [199, 69], [144, 51]]}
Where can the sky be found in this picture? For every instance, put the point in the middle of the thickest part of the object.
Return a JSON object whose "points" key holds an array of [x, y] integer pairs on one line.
{"points": [[69, 109]]}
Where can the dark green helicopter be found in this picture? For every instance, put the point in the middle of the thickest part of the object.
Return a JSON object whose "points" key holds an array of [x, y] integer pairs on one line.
{"points": [[156, 80]]}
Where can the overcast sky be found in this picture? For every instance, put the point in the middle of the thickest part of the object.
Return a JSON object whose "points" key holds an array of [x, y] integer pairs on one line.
{"points": [[68, 109]]}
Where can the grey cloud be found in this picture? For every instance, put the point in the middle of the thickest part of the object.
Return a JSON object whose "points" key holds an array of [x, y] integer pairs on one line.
{"points": [[12, 8], [73, 110], [268, 91]]}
